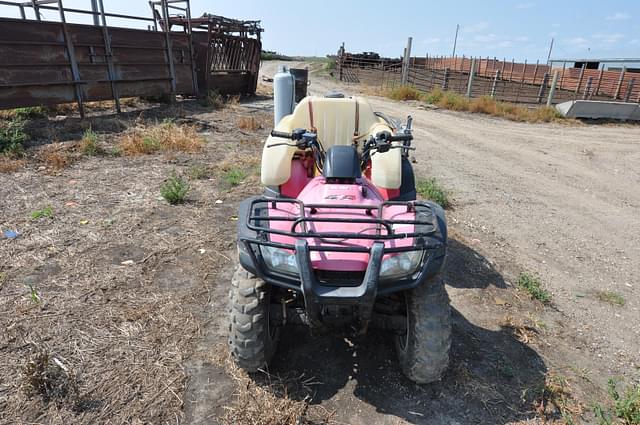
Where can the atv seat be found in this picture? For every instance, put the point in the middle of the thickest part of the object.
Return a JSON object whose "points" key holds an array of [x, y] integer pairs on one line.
{"points": [[337, 121]]}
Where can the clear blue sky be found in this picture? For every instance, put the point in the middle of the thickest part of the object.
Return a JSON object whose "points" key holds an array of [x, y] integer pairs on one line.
{"points": [[520, 29]]}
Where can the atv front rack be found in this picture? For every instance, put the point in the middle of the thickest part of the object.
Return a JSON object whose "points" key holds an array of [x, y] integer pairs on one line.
{"points": [[425, 230], [429, 236]]}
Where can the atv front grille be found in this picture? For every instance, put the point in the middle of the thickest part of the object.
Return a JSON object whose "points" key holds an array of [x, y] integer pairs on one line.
{"points": [[339, 278]]}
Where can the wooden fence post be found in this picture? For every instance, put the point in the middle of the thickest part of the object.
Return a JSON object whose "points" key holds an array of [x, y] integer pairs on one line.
{"points": [[552, 90], [524, 71], [472, 72], [627, 95], [405, 62], [445, 83], [597, 90], [584, 66], [495, 83], [620, 80], [543, 86], [587, 89]]}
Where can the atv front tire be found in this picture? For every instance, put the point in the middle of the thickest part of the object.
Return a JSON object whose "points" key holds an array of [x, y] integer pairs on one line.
{"points": [[423, 351], [252, 340]]}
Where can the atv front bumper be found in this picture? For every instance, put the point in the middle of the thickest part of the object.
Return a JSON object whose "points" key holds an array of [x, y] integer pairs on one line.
{"points": [[319, 293]]}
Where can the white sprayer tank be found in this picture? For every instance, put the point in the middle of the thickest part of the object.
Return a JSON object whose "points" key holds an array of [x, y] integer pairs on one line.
{"points": [[283, 94]]}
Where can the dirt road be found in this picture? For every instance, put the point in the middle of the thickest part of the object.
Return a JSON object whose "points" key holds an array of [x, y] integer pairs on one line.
{"points": [[129, 293]]}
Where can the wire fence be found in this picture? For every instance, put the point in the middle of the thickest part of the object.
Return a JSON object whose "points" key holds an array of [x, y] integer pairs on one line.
{"points": [[528, 83]]}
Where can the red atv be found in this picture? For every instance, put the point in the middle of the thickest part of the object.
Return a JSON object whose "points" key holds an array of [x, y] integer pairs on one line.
{"points": [[338, 241]]}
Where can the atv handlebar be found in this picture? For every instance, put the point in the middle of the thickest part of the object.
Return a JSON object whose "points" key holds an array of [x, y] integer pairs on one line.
{"points": [[401, 138], [385, 136], [282, 134]]}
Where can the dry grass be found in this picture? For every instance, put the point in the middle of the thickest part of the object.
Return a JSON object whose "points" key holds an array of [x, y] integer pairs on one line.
{"points": [[55, 158], [482, 105], [268, 400], [487, 105], [249, 123], [523, 329], [611, 297], [165, 137], [403, 93], [10, 165], [555, 400]]}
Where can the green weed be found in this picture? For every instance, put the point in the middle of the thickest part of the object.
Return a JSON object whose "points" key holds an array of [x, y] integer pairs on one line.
{"points": [[174, 189], [12, 137], [612, 298], [235, 176], [45, 212], [33, 295], [532, 285], [626, 406], [431, 189], [199, 172], [89, 144], [31, 112]]}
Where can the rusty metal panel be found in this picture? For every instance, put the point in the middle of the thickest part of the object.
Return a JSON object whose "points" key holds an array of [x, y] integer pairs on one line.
{"points": [[227, 63], [36, 66]]}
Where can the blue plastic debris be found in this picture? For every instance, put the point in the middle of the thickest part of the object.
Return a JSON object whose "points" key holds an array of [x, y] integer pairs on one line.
{"points": [[10, 234]]}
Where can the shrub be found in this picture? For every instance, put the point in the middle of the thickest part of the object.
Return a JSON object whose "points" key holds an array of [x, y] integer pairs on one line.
{"points": [[431, 189], [174, 189], [484, 105], [330, 65], [12, 137], [235, 176], [404, 93], [434, 96], [532, 285], [31, 112], [454, 101], [89, 144]]}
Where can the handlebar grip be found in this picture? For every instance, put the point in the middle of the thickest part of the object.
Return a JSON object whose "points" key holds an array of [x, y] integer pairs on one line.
{"points": [[281, 134], [400, 138]]}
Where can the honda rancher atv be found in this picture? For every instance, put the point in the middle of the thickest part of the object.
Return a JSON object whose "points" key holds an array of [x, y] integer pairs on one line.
{"points": [[339, 241]]}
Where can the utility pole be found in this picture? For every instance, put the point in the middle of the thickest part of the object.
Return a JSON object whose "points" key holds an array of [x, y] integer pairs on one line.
{"points": [[455, 40], [550, 49]]}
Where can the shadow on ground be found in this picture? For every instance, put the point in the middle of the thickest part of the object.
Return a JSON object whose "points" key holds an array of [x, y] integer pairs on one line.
{"points": [[492, 377]]}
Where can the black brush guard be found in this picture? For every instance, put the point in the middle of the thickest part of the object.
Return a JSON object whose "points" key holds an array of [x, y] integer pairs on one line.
{"points": [[429, 235]]}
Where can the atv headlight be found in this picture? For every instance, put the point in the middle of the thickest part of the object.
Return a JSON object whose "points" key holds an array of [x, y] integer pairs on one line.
{"points": [[278, 259], [401, 265]]}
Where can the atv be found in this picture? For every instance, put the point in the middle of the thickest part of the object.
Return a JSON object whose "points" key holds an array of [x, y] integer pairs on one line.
{"points": [[339, 242]]}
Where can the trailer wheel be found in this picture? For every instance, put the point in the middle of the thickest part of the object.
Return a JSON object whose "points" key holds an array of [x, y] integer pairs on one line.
{"points": [[252, 340], [423, 351]]}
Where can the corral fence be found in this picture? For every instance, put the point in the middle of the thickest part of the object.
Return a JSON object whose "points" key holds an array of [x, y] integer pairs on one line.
{"points": [[51, 62], [528, 83]]}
